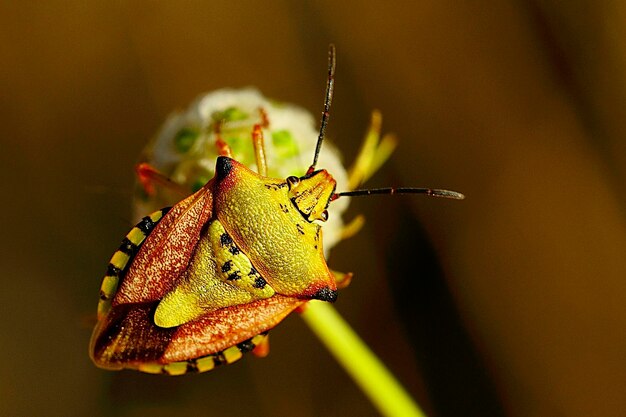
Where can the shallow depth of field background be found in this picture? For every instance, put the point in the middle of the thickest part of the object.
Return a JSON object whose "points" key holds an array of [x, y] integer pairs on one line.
{"points": [[510, 303]]}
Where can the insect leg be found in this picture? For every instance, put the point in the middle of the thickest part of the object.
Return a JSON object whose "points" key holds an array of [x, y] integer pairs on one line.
{"points": [[149, 176], [263, 348], [265, 121], [259, 150], [222, 147]]}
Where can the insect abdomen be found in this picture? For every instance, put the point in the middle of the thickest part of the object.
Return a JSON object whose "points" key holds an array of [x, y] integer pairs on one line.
{"points": [[205, 363], [122, 258]]}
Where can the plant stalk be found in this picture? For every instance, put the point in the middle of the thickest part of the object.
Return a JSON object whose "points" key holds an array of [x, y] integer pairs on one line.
{"points": [[369, 373]]}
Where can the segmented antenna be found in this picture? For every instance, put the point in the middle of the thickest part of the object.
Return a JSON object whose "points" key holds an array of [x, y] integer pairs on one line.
{"points": [[330, 85], [433, 192]]}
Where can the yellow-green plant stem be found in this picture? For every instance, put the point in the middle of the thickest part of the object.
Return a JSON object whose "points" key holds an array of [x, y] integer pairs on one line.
{"points": [[359, 361]]}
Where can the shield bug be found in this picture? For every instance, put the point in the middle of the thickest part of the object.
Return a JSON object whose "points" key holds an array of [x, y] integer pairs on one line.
{"points": [[201, 283]]}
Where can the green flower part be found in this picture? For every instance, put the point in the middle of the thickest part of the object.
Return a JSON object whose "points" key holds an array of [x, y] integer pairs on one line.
{"points": [[231, 114], [285, 144], [199, 183], [185, 149], [185, 138]]}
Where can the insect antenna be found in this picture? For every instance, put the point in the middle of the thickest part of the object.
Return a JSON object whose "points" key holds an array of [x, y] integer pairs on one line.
{"points": [[433, 192], [330, 85]]}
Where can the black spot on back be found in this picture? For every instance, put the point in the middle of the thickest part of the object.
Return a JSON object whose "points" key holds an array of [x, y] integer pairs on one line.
{"points": [[219, 359], [234, 276], [227, 266], [146, 225], [192, 367], [223, 166], [259, 283], [246, 346], [113, 271], [128, 247], [226, 240], [325, 294]]}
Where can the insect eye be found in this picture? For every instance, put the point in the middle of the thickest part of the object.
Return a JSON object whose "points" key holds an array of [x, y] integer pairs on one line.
{"points": [[293, 180], [324, 215]]}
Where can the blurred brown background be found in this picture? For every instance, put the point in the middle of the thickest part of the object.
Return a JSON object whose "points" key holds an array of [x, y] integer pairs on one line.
{"points": [[511, 303]]}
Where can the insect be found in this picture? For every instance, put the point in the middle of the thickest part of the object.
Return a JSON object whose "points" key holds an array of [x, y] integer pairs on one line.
{"points": [[199, 284]]}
